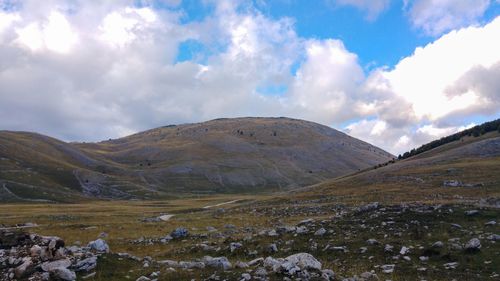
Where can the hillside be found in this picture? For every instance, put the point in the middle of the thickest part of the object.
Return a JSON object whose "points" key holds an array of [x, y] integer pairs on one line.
{"points": [[464, 169], [223, 155]]}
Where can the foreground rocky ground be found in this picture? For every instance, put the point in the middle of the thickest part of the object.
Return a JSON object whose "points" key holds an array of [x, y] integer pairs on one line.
{"points": [[302, 240]]}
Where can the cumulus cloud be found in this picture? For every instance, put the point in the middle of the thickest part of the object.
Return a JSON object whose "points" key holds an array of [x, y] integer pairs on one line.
{"points": [[373, 8], [435, 17], [435, 89], [87, 70]]}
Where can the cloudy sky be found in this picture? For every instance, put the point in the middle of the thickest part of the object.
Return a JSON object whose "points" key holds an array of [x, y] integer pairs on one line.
{"points": [[396, 73]]}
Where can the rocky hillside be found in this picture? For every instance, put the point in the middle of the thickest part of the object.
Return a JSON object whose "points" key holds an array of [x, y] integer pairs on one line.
{"points": [[223, 155]]}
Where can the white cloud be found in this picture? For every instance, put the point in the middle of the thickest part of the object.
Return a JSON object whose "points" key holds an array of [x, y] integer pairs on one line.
{"points": [[435, 17], [109, 68], [372, 7], [422, 78]]}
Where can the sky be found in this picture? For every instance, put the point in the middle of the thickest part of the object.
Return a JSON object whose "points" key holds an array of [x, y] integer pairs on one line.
{"points": [[395, 73]]}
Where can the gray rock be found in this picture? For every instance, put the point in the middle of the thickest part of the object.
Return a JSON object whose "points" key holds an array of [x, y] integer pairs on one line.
{"points": [[304, 261], [372, 242], [490, 223], [473, 245], [272, 248], [369, 276], [494, 237], [320, 232], [234, 246], [301, 230], [191, 264], [51, 266], [246, 277], [388, 268], [388, 248], [143, 278], [24, 269], [179, 232], [471, 212], [99, 246], [369, 207], [438, 245], [218, 262], [451, 265], [63, 274], [87, 264]]}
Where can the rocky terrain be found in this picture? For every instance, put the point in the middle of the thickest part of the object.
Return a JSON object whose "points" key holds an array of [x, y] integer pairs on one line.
{"points": [[331, 241], [219, 156]]}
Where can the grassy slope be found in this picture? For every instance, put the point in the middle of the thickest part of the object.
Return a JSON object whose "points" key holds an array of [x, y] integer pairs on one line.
{"points": [[420, 178], [241, 155]]}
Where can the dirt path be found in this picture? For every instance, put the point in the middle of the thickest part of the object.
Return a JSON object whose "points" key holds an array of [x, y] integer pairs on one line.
{"points": [[220, 204]]}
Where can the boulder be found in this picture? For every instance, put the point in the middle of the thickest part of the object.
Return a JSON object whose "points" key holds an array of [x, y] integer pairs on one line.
{"points": [[99, 246], [63, 274]]}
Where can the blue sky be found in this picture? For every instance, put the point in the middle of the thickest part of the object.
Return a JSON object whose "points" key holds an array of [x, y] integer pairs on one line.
{"points": [[395, 73]]}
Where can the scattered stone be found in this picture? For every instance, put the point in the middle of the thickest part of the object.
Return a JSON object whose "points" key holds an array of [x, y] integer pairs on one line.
{"points": [[473, 245], [320, 232], [471, 212], [234, 246], [219, 262], [62, 273], [372, 242], [179, 232], [99, 246], [451, 265], [438, 245], [387, 268]]}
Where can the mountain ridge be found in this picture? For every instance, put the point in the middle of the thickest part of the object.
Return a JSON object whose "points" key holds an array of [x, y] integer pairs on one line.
{"points": [[252, 154]]}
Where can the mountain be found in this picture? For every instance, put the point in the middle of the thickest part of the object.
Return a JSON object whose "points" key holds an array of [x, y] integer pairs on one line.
{"points": [[222, 155], [463, 168]]}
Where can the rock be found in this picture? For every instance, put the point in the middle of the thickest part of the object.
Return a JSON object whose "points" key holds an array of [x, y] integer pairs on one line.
{"points": [[471, 212], [404, 250], [328, 274], [304, 261], [62, 273], [36, 251], [473, 245], [211, 229], [24, 269], [301, 230], [368, 207], [490, 223], [143, 278], [272, 248], [87, 264], [218, 262], [255, 261], [272, 233], [451, 265], [246, 277], [169, 263], [438, 245], [99, 246], [262, 272], [388, 248], [320, 232], [372, 242], [423, 258], [51, 266], [234, 246], [306, 221], [452, 183], [240, 264], [494, 237], [179, 232], [191, 264], [388, 268], [456, 225], [368, 276]]}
